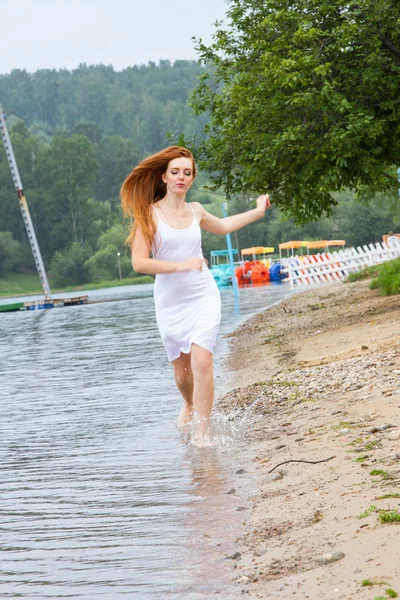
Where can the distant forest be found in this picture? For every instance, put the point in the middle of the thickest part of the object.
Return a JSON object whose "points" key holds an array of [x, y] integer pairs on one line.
{"points": [[76, 136], [143, 103]]}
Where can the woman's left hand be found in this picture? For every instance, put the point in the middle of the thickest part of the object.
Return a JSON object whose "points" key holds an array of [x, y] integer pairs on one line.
{"points": [[263, 203]]}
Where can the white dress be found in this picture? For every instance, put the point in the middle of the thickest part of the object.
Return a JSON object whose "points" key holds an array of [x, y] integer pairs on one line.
{"points": [[188, 304]]}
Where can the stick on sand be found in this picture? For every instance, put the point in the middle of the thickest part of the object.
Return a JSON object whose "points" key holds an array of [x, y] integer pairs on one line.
{"points": [[310, 462]]}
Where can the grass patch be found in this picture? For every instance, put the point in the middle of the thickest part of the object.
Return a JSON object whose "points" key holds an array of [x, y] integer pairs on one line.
{"points": [[16, 284], [317, 306], [355, 442], [389, 516], [367, 512], [388, 278], [361, 458], [271, 338], [366, 273], [381, 473], [276, 382], [348, 425], [388, 496], [98, 285], [390, 593], [371, 445], [317, 517], [283, 382]]}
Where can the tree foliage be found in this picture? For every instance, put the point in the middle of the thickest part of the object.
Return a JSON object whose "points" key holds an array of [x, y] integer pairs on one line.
{"points": [[72, 174], [9, 251], [76, 136], [69, 267], [304, 99], [142, 103], [68, 173], [111, 254], [116, 157]]}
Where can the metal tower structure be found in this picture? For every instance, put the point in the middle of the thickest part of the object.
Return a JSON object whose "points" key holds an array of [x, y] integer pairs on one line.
{"points": [[23, 205]]}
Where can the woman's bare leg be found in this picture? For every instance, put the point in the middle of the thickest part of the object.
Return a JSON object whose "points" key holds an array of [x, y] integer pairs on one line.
{"points": [[203, 394], [184, 382]]}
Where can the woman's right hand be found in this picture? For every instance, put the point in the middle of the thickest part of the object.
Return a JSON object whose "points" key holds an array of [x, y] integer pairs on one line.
{"points": [[263, 203], [191, 264]]}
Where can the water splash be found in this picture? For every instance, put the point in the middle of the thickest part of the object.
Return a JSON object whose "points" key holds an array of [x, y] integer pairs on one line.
{"points": [[225, 433]]}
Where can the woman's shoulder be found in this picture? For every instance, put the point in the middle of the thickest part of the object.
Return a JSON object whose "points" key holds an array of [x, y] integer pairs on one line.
{"points": [[196, 206], [197, 209]]}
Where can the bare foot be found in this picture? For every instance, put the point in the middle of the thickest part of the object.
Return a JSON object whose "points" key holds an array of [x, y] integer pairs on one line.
{"points": [[185, 416], [203, 441], [202, 433]]}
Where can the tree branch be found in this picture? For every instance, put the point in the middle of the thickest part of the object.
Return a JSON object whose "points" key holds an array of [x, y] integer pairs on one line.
{"points": [[391, 47]]}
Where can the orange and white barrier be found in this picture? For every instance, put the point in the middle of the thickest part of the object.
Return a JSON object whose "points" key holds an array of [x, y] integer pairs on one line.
{"points": [[333, 266]]}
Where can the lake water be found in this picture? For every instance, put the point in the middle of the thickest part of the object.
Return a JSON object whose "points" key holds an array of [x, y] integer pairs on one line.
{"points": [[100, 497]]}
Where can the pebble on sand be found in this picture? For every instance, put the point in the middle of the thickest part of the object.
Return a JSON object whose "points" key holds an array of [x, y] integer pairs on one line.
{"points": [[330, 557], [235, 556], [276, 477]]}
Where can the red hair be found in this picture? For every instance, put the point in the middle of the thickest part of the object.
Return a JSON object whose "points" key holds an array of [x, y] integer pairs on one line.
{"points": [[144, 186]]}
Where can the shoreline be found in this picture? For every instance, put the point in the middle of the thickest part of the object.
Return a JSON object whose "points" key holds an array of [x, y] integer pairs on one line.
{"points": [[321, 371], [84, 287]]}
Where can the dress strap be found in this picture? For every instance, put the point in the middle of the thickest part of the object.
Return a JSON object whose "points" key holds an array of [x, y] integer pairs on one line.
{"points": [[193, 215], [156, 211]]}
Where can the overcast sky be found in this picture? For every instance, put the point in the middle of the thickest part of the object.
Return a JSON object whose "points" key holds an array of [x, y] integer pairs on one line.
{"points": [[44, 34]]}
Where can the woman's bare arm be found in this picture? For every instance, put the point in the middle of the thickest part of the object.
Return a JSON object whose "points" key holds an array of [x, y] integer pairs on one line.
{"points": [[234, 222]]}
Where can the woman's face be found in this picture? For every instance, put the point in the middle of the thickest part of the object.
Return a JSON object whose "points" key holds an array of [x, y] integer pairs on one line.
{"points": [[179, 175]]}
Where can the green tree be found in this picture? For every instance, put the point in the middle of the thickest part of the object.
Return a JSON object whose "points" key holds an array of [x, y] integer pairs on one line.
{"points": [[28, 152], [304, 99], [91, 130], [116, 236], [10, 251], [142, 103], [69, 267], [104, 263], [361, 222], [67, 177], [282, 229], [116, 157]]}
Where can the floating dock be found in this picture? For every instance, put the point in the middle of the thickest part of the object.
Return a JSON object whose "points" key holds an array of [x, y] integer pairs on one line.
{"points": [[44, 304]]}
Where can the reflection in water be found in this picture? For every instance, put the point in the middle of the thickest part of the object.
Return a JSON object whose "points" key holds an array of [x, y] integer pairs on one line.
{"points": [[213, 523], [99, 496]]}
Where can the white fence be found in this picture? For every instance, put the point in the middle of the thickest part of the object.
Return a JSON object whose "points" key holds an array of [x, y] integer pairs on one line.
{"points": [[333, 266]]}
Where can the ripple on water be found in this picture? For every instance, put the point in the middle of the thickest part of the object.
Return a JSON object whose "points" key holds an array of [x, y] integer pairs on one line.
{"points": [[99, 496]]}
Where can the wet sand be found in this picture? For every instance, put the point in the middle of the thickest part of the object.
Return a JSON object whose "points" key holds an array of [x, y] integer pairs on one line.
{"points": [[322, 374]]}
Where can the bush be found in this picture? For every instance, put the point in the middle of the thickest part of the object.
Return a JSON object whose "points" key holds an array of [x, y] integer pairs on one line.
{"points": [[69, 267], [388, 279]]}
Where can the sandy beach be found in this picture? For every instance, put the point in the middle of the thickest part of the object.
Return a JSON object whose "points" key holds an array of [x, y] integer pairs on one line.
{"points": [[321, 372]]}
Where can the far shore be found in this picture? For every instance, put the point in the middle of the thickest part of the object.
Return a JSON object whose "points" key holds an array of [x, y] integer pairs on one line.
{"points": [[31, 287], [321, 371]]}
